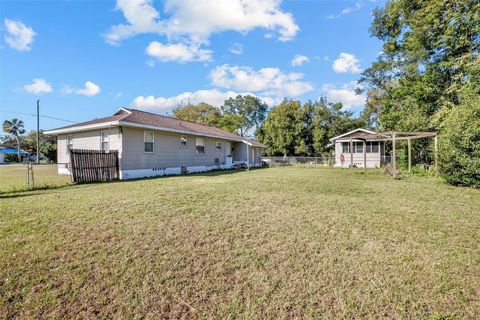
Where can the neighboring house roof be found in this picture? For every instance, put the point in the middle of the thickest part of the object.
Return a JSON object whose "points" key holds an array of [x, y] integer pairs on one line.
{"points": [[143, 119], [357, 132], [12, 151]]}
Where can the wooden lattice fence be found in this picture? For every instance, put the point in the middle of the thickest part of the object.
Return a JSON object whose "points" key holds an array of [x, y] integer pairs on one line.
{"points": [[93, 165]]}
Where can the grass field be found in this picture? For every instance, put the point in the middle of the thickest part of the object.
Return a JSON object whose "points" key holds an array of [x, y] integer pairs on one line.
{"points": [[13, 177], [271, 243]]}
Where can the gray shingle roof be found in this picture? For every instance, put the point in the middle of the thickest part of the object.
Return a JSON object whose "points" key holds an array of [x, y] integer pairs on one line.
{"points": [[127, 115]]}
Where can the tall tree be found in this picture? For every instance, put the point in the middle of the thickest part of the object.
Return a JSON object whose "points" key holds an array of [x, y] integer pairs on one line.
{"points": [[48, 144], [15, 128], [201, 113], [428, 48], [245, 112], [282, 130]]}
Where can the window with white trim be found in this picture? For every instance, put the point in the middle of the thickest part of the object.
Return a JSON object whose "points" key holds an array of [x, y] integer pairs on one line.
{"points": [[183, 142], [218, 146], [200, 145], [69, 143], [105, 140], [372, 147], [345, 147], [148, 139], [358, 146]]}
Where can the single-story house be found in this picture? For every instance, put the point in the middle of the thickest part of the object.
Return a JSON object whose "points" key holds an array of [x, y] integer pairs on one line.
{"points": [[150, 144], [350, 146]]}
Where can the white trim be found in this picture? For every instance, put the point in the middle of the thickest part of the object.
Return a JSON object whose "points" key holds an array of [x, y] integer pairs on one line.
{"points": [[156, 172], [186, 142], [84, 128], [121, 109], [153, 141], [108, 139], [350, 132], [216, 146], [200, 145]]}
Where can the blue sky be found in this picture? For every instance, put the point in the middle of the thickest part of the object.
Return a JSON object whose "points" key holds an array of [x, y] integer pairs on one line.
{"points": [[85, 59]]}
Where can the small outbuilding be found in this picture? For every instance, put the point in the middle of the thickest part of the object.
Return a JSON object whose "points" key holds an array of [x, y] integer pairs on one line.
{"points": [[350, 146]]}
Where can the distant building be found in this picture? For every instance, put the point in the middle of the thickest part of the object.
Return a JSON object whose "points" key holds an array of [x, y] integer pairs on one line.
{"points": [[350, 148]]}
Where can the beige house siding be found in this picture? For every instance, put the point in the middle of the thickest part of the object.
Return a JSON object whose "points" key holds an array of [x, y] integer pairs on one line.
{"points": [[87, 140], [167, 151], [373, 159]]}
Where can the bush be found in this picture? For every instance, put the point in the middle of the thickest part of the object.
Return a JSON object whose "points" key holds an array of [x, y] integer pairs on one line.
{"points": [[459, 148]]}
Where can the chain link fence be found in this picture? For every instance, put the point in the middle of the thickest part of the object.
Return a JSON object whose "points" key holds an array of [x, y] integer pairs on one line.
{"points": [[290, 160], [30, 176]]}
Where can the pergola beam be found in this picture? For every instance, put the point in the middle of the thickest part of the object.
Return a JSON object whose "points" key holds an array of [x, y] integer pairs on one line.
{"points": [[409, 156]]}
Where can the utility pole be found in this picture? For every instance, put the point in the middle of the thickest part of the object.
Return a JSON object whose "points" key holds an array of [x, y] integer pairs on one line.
{"points": [[38, 131]]}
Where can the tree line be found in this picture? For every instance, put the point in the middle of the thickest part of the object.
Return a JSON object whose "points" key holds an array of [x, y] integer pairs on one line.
{"points": [[427, 78], [16, 137]]}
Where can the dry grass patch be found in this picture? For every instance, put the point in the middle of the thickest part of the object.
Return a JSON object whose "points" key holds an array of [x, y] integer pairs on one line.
{"points": [[270, 243]]}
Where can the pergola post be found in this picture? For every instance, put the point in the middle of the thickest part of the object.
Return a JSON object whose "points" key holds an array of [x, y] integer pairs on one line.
{"points": [[394, 156], [248, 158], [364, 156], [351, 153], [409, 156], [436, 155]]}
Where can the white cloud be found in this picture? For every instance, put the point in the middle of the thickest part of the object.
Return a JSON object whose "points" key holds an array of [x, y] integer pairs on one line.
{"points": [[191, 23], [177, 52], [266, 81], [20, 36], [237, 48], [214, 97], [299, 59], [356, 7], [91, 89], [202, 18], [344, 94], [346, 62], [38, 86]]}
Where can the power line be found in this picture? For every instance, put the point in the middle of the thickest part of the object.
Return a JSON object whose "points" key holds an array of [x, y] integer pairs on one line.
{"points": [[34, 115]]}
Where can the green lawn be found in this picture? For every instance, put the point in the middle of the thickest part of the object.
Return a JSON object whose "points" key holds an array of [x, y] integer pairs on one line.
{"points": [[286, 242], [13, 177]]}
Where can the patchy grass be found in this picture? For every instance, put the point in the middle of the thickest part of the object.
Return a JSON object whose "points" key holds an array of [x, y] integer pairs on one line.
{"points": [[13, 177], [272, 243]]}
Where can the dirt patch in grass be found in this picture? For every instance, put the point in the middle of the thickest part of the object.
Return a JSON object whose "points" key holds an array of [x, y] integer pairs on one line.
{"points": [[273, 243]]}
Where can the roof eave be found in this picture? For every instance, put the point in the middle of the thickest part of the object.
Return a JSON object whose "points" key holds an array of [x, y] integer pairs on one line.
{"points": [[350, 132], [87, 127], [144, 126]]}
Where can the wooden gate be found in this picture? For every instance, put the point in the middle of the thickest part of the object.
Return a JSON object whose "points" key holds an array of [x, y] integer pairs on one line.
{"points": [[93, 165]]}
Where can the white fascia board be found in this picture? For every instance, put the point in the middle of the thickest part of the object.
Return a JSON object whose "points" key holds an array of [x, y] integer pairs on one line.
{"points": [[143, 126], [251, 144], [83, 128], [350, 132]]}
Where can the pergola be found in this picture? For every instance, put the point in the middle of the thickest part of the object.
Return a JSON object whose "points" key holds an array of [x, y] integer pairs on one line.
{"points": [[393, 136]]}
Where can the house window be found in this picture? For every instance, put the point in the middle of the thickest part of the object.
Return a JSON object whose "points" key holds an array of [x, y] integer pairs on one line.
{"points": [[148, 138], [200, 145], [183, 142], [69, 142], [104, 140], [358, 147], [218, 146], [345, 147], [372, 147]]}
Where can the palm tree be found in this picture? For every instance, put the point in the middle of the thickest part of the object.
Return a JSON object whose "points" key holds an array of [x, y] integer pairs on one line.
{"points": [[15, 128]]}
